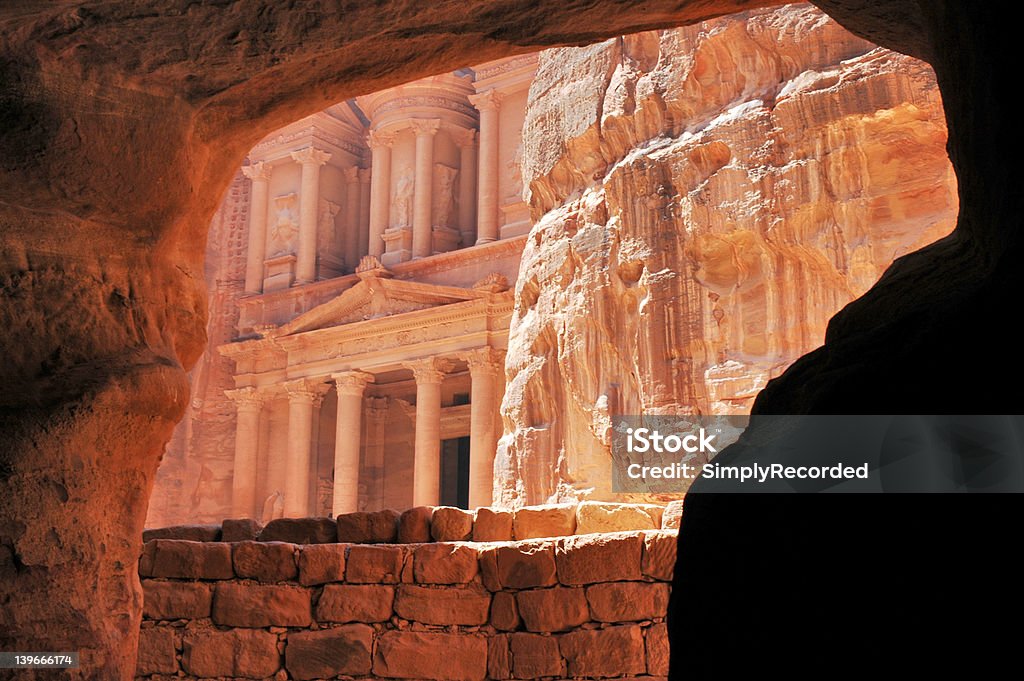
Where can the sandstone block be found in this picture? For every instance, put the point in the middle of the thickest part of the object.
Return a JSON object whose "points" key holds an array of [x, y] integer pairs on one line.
{"points": [[355, 603], [329, 652], [467, 605], [504, 612], [444, 563], [176, 600], [376, 527], [534, 522], [261, 605], [301, 531], [659, 559], [596, 516], [180, 559], [492, 525], [523, 565], [239, 529], [614, 651], [656, 642], [499, 658], [555, 609], [627, 601], [156, 652], [672, 515], [591, 558], [430, 655], [322, 563], [374, 564], [236, 653], [184, 532], [451, 524], [265, 561], [414, 525], [534, 656]]}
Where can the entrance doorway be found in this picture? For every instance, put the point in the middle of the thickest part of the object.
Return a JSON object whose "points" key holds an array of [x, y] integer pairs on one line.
{"points": [[455, 472]]}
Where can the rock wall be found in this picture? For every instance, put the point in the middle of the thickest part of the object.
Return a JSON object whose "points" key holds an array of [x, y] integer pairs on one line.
{"points": [[585, 607], [706, 199]]}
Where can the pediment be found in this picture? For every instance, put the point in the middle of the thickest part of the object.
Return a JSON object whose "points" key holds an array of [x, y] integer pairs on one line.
{"points": [[374, 298]]}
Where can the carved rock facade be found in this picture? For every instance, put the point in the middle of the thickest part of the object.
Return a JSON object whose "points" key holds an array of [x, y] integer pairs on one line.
{"points": [[706, 199]]}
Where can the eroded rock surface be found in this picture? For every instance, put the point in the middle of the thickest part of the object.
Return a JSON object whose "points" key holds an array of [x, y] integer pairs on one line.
{"points": [[708, 197]]}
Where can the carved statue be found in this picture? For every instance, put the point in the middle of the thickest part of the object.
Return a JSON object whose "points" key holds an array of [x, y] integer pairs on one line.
{"points": [[515, 173], [401, 206], [444, 194], [273, 507], [327, 233], [286, 225]]}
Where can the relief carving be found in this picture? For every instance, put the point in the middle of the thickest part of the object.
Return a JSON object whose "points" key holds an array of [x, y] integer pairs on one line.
{"points": [[285, 227], [401, 205], [444, 194]]}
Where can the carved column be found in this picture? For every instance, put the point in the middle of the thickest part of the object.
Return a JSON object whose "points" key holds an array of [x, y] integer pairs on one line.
{"points": [[311, 159], [426, 477], [380, 189], [466, 140], [249, 403], [487, 211], [364, 212], [352, 253], [256, 253], [485, 367], [350, 386], [373, 460], [422, 204], [303, 397]]}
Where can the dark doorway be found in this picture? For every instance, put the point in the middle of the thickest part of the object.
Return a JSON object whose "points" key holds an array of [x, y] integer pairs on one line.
{"points": [[455, 472]]}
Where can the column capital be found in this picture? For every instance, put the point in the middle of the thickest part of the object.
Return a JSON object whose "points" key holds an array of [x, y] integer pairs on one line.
{"points": [[364, 175], [484, 360], [488, 100], [351, 174], [352, 382], [378, 138], [305, 390], [429, 369], [463, 137], [425, 126], [257, 171], [248, 397], [311, 155]]}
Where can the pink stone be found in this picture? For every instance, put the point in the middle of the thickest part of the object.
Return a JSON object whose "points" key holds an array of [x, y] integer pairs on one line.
{"points": [[329, 652], [467, 605], [322, 563], [374, 564], [520, 565], [414, 525], [181, 559], [499, 658], [591, 558], [659, 557], [355, 603], [614, 651], [236, 653], [261, 605], [429, 655], [451, 524], [555, 609], [532, 522], [265, 561], [240, 529], [156, 652], [656, 642], [492, 525], [374, 527], [627, 601], [444, 563], [534, 656], [301, 531], [176, 600], [184, 532], [504, 612]]}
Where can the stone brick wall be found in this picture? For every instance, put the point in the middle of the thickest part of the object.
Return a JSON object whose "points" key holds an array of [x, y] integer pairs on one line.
{"points": [[438, 523], [586, 607]]}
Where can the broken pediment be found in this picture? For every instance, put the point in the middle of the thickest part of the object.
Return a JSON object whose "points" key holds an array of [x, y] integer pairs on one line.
{"points": [[373, 297]]}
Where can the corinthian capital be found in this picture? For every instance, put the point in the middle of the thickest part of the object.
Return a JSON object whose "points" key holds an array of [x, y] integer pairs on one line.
{"points": [[311, 155], [488, 100], [305, 389], [463, 137], [351, 382], [484, 360], [351, 174], [377, 139], [249, 397], [425, 126], [429, 369], [257, 171]]}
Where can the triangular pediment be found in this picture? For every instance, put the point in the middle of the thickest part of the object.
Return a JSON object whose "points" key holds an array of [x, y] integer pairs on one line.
{"points": [[373, 298]]}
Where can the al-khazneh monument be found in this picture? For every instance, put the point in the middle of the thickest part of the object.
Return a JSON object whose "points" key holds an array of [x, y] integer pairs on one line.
{"points": [[440, 293]]}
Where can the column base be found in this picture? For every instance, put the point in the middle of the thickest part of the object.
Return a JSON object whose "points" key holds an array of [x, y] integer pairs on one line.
{"points": [[485, 240]]}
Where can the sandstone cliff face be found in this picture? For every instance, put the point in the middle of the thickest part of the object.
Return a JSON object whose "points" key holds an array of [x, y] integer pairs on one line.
{"points": [[706, 199]]}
